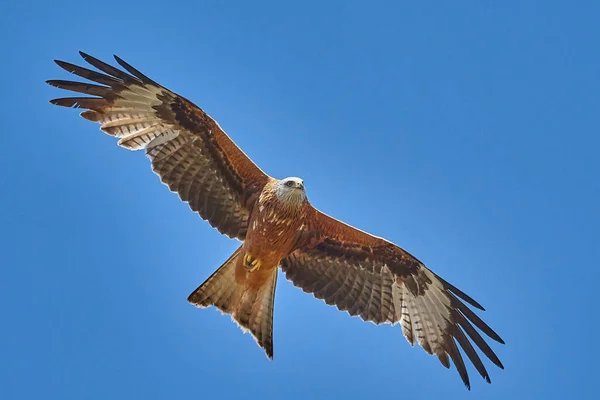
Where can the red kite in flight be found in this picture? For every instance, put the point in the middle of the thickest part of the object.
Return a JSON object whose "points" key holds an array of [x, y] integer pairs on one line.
{"points": [[363, 274]]}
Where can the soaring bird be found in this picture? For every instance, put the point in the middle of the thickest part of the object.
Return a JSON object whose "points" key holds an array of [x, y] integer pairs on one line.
{"points": [[357, 272]]}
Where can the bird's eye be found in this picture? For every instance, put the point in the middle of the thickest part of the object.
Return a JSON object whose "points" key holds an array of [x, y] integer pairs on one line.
{"points": [[289, 183]]}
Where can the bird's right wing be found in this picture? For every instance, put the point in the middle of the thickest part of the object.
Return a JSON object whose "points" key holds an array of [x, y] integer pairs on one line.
{"points": [[372, 278], [189, 151]]}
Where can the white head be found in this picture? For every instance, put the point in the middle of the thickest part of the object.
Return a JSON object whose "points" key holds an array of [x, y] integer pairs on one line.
{"points": [[290, 190]]}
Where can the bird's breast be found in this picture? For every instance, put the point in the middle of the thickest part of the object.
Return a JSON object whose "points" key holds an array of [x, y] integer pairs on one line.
{"points": [[271, 232]]}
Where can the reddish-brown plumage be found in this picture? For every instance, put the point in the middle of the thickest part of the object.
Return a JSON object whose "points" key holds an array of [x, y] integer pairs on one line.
{"points": [[273, 231], [357, 272]]}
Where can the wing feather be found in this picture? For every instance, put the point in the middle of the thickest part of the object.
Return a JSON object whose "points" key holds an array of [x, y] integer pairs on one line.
{"points": [[191, 154], [382, 283]]}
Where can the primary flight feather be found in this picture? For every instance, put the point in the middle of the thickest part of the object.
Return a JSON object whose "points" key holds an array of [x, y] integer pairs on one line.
{"points": [[357, 272]]}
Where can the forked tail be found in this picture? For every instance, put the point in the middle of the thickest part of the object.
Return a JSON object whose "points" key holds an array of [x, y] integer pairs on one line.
{"points": [[250, 306]]}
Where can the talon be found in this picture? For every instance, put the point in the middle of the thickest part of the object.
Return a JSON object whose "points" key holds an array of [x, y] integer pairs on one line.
{"points": [[251, 263], [255, 266]]}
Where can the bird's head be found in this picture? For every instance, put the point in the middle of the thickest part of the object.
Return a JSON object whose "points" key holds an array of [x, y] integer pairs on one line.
{"points": [[291, 190]]}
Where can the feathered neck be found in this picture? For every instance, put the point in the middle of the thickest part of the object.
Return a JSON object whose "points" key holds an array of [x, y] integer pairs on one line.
{"points": [[287, 199]]}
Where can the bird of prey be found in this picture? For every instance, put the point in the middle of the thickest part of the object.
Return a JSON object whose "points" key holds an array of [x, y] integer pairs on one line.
{"points": [[362, 274]]}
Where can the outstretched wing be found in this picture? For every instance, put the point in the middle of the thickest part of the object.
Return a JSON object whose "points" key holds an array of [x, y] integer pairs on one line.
{"points": [[189, 151], [380, 282]]}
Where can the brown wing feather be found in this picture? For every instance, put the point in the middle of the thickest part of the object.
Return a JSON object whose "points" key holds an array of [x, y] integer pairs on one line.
{"points": [[380, 282], [189, 151]]}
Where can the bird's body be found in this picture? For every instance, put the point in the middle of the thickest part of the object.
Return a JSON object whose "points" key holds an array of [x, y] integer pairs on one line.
{"points": [[274, 225], [357, 272]]}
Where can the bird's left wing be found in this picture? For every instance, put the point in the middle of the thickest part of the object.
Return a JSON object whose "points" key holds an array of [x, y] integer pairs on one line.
{"points": [[380, 282], [188, 149]]}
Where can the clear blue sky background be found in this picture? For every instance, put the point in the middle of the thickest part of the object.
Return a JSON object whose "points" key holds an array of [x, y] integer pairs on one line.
{"points": [[467, 133]]}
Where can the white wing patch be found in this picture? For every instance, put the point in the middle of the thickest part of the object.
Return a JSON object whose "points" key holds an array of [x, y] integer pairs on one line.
{"points": [[133, 119], [423, 318]]}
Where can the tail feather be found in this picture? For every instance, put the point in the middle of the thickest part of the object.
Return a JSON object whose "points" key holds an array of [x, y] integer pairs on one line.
{"points": [[250, 307], [218, 288]]}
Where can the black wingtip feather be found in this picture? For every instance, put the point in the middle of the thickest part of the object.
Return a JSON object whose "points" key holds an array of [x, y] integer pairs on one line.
{"points": [[457, 359], [471, 353], [459, 292], [92, 103], [443, 357], [463, 296], [81, 87], [134, 71], [89, 74], [108, 69], [474, 318], [477, 339]]}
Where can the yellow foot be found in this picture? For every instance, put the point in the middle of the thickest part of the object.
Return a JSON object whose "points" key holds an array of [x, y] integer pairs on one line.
{"points": [[251, 263]]}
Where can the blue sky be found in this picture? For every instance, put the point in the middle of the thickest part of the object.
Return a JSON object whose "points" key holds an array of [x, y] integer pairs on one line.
{"points": [[466, 133]]}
